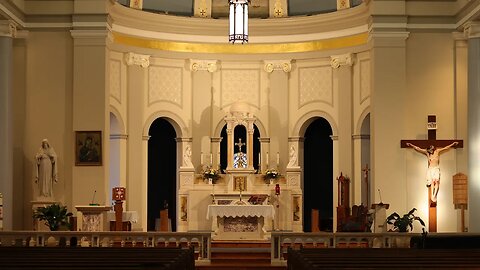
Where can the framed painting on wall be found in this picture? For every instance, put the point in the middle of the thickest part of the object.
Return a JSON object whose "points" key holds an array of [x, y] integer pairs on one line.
{"points": [[88, 148]]}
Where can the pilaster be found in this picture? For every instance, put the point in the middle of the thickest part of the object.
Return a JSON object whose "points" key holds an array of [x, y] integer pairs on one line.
{"points": [[473, 34], [7, 32]]}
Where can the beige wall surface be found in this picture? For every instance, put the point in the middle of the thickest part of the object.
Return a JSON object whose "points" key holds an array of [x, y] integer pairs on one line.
{"points": [[64, 84], [43, 109]]}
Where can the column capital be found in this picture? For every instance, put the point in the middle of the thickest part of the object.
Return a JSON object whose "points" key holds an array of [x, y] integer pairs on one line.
{"points": [[341, 60], [264, 139], [361, 137], [285, 65], [142, 60], [184, 139], [296, 139], [8, 29], [207, 65], [472, 30], [216, 139], [118, 136]]}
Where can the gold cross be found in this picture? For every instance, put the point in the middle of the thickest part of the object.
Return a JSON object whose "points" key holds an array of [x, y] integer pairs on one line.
{"points": [[240, 144]]}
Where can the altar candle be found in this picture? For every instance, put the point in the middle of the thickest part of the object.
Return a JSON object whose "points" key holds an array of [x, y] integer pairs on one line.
{"points": [[259, 160], [267, 160], [211, 158], [201, 158], [218, 158], [278, 158]]}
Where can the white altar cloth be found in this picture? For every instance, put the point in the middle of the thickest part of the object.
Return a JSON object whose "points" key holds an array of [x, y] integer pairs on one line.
{"points": [[266, 211], [131, 216]]}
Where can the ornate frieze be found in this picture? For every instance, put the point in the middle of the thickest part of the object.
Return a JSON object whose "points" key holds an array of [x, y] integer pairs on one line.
{"points": [[137, 59], [285, 65]]}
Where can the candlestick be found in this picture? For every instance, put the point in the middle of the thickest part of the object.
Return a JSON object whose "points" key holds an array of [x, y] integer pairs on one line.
{"points": [[278, 158], [211, 159], [201, 158], [268, 160]]}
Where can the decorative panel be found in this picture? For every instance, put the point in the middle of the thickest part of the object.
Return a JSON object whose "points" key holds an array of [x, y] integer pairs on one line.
{"points": [[364, 80], [241, 85], [165, 84], [115, 80], [315, 85]]}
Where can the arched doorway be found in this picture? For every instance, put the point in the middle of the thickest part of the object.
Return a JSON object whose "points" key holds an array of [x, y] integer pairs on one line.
{"points": [[162, 172], [365, 150], [241, 132], [115, 153], [318, 174]]}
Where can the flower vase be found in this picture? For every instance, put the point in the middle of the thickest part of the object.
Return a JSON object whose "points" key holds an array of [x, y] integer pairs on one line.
{"points": [[210, 181]]}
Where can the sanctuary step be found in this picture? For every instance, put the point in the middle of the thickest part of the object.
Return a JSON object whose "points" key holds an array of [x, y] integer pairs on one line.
{"points": [[239, 255]]}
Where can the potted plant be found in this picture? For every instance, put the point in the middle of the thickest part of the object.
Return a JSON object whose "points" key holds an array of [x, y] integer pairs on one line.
{"points": [[211, 174], [55, 216], [403, 223], [270, 175]]}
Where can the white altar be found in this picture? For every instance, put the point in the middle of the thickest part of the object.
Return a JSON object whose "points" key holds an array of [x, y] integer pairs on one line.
{"points": [[241, 221]]}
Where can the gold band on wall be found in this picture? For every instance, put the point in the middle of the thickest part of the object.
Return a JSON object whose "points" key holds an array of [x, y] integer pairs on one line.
{"points": [[298, 47]]}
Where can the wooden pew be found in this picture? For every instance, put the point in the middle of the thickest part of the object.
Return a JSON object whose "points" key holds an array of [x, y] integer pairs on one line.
{"points": [[383, 258], [96, 258]]}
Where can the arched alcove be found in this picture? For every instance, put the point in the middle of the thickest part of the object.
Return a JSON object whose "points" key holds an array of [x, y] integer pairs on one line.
{"points": [[162, 171], [318, 174]]}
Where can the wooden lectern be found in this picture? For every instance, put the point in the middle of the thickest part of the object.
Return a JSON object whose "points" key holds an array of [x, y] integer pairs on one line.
{"points": [[164, 220], [92, 217], [380, 215], [118, 195]]}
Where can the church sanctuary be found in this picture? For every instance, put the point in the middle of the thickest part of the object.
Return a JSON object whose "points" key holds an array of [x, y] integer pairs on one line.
{"points": [[239, 134]]}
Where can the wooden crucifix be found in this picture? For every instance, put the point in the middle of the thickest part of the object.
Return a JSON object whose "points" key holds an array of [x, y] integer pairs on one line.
{"points": [[432, 148]]}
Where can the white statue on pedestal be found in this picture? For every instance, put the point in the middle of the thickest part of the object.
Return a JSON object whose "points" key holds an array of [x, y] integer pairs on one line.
{"points": [[46, 169], [293, 157], [187, 157]]}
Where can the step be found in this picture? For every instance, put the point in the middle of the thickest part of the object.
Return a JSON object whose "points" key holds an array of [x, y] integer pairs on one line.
{"points": [[240, 265], [241, 244]]}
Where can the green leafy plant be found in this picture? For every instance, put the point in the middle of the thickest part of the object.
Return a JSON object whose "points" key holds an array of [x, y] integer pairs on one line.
{"points": [[403, 223], [55, 216]]}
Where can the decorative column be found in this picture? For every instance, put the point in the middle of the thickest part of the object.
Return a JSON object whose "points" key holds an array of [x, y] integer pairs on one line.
{"points": [[215, 142], [278, 72], [202, 72], [186, 181], [294, 175], [342, 70], [360, 189], [7, 33], [336, 172], [264, 148], [473, 142], [137, 145], [388, 84]]}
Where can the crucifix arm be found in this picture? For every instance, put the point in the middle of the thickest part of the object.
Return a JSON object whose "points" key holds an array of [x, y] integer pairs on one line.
{"points": [[448, 146], [418, 149]]}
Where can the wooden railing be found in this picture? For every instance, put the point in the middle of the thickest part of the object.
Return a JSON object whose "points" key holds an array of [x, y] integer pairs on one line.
{"points": [[201, 241], [281, 241]]}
